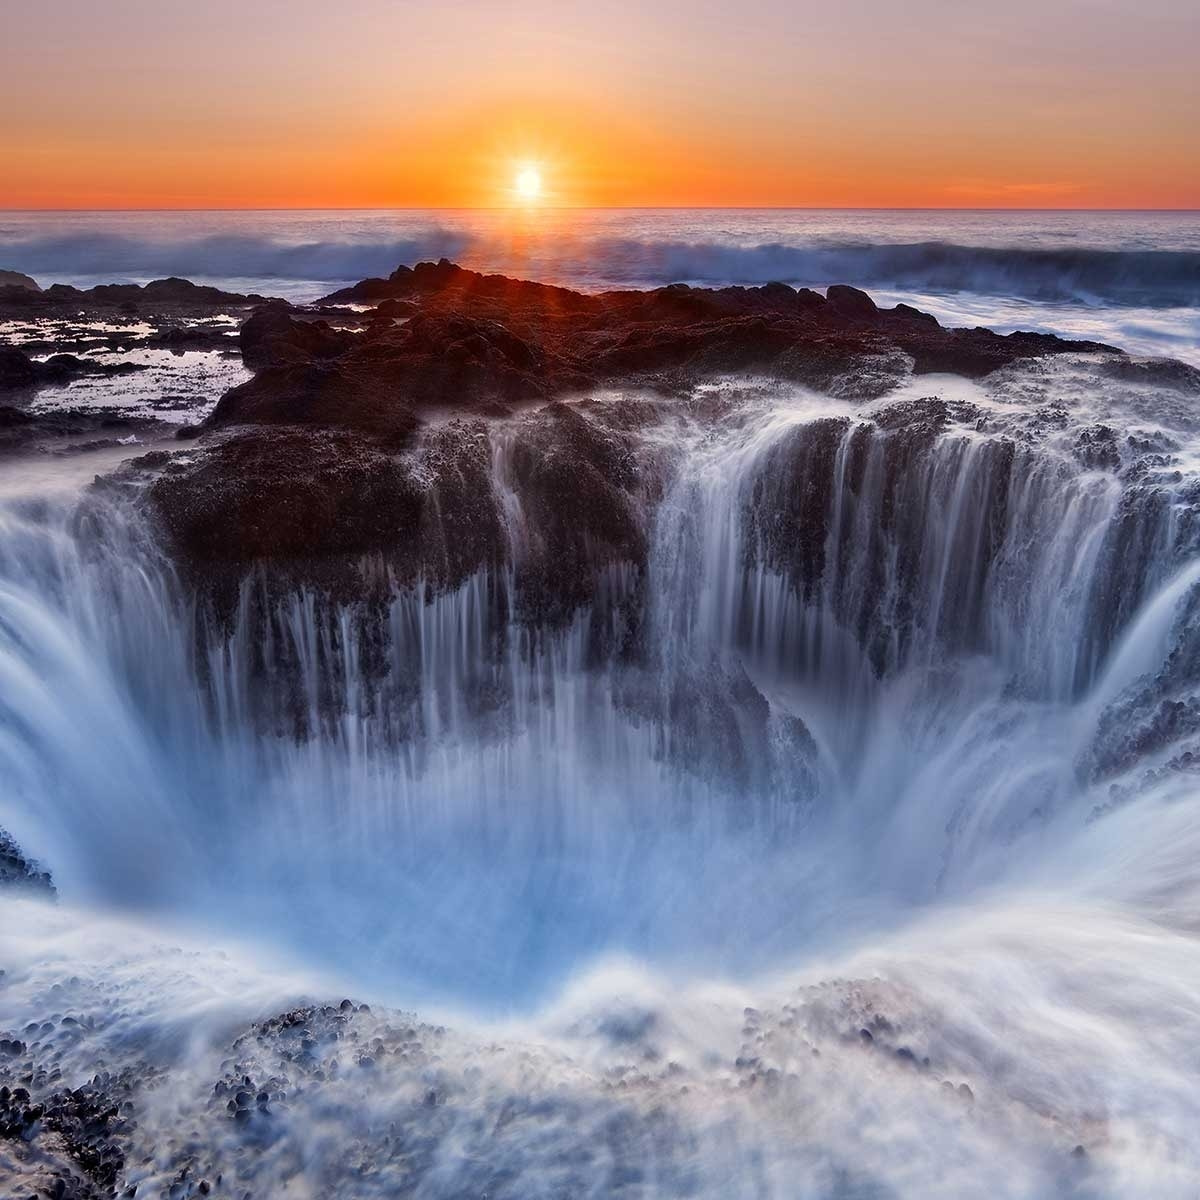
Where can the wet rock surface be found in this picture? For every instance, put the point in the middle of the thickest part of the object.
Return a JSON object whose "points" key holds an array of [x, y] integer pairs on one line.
{"points": [[67, 431], [552, 339], [270, 337], [445, 339], [159, 295], [579, 486], [16, 871], [18, 279], [19, 372], [345, 1099]]}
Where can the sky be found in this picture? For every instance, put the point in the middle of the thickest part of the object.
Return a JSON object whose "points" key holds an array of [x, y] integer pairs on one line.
{"points": [[808, 103]]}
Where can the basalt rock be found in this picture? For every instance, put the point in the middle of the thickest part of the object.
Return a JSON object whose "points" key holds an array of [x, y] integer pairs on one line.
{"points": [[373, 384], [839, 507], [18, 279], [18, 370], [851, 302], [333, 450], [178, 338], [321, 504], [578, 484], [1157, 372], [294, 496], [17, 871], [393, 310], [475, 341], [271, 337], [160, 295], [320, 394], [667, 337], [65, 430]]}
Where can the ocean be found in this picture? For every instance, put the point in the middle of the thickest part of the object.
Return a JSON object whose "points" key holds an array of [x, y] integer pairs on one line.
{"points": [[1128, 278]]}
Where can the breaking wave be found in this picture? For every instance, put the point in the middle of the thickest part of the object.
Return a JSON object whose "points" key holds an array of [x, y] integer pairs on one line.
{"points": [[1164, 277], [112, 256], [1145, 277]]}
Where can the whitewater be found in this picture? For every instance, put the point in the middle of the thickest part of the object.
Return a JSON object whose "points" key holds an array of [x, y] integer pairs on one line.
{"points": [[848, 850], [1128, 278]]}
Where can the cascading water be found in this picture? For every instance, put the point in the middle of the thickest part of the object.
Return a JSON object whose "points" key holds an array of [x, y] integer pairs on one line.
{"points": [[904, 684]]}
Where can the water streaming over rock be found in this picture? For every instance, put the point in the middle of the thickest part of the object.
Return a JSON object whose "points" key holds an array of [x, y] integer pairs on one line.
{"points": [[878, 663]]}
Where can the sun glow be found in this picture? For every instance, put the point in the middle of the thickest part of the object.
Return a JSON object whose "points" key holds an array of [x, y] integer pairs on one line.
{"points": [[529, 183]]}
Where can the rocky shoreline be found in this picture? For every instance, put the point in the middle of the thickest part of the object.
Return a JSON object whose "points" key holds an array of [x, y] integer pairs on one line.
{"points": [[379, 446], [360, 431], [356, 1100]]}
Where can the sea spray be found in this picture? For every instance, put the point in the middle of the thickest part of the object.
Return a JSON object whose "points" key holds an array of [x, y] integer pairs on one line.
{"points": [[866, 868]]}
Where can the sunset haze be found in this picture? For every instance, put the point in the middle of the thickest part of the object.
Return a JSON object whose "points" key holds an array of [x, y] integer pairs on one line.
{"points": [[133, 104]]}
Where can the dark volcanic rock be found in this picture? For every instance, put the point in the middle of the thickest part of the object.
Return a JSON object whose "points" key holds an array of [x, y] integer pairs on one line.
{"points": [[434, 360], [452, 359], [851, 301], [272, 337], [159, 295], [63, 430], [18, 279], [323, 394], [461, 527], [295, 494], [880, 469], [316, 502], [577, 482], [180, 338], [475, 340], [67, 1142], [18, 370], [366, 291], [17, 871], [1159, 372], [396, 309], [974, 353], [333, 451]]}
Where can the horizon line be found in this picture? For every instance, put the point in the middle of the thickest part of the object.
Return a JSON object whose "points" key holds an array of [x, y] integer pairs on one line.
{"points": [[602, 208]]}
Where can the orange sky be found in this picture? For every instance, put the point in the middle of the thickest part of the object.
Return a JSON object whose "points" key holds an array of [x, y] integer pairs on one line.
{"points": [[377, 103]]}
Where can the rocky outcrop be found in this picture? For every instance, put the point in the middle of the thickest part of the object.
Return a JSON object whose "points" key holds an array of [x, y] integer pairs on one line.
{"points": [[322, 395], [16, 871], [338, 447], [578, 484], [62, 430], [308, 372], [298, 496], [58, 1141], [160, 295], [18, 370], [17, 279], [271, 337], [475, 339], [313, 502], [851, 302]]}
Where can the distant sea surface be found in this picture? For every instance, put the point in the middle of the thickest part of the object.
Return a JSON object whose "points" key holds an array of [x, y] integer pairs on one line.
{"points": [[1128, 278]]}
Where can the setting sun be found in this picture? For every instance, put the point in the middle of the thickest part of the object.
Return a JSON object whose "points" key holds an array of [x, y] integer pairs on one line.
{"points": [[529, 183]]}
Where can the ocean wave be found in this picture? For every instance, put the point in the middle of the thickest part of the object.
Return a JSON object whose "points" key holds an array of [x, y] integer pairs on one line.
{"points": [[223, 256], [1167, 277], [1100, 276]]}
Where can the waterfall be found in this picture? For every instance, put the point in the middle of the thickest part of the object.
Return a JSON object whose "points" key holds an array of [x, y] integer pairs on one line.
{"points": [[870, 659], [839, 839]]}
